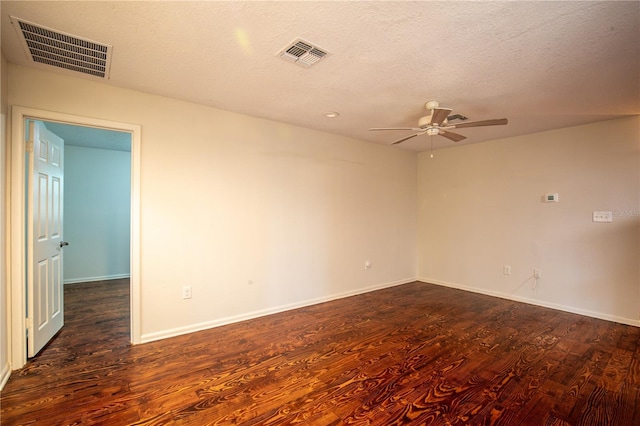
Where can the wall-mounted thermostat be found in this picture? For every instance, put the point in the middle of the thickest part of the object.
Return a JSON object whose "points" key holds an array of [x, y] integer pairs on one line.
{"points": [[551, 198]]}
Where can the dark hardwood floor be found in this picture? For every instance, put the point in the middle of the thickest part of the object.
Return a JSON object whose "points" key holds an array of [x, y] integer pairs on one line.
{"points": [[413, 354]]}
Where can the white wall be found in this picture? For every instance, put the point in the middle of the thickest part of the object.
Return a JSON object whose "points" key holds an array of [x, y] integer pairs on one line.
{"points": [[480, 208], [255, 215], [97, 195], [5, 367]]}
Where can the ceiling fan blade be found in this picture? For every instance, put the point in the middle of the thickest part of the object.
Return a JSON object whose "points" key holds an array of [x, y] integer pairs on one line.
{"points": [[404, 139], [495, 122], [452, 136], [439, 115], [415, 129]]}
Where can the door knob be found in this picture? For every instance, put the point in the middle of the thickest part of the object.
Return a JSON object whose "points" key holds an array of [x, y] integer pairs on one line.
{"points": [[63, 243]]}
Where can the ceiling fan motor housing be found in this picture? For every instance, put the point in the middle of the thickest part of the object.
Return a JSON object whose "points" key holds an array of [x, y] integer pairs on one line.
{"points": [[424, 122], [431, 105]]}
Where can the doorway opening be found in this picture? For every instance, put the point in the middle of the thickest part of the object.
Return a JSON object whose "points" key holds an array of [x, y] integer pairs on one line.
{"points": [[96, 217], [18, 317], [97, 202]]}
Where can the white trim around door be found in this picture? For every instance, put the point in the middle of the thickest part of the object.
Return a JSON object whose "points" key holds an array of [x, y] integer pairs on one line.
{"points": [[16, 299]]}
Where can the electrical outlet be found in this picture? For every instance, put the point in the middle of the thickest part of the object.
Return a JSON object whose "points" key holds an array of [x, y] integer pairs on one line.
{"points": [[367, 264], [506, 269], [537, 273], [605, 216], [186, 292]]}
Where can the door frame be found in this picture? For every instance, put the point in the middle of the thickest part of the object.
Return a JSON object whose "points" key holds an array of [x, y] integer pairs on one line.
{"points": [[16, 297]]}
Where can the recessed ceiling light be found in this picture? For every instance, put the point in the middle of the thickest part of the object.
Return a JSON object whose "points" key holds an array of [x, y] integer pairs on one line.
{"points": [[331, 114]]}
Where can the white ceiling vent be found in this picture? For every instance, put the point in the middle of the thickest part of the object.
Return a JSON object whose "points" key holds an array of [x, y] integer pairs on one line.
{"points": [[302, 53], [51, 47]]}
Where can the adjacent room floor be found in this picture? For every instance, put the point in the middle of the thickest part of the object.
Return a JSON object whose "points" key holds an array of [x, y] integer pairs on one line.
{"points": [[411, 354]]}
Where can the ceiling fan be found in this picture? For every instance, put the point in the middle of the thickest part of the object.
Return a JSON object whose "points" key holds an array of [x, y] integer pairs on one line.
{"points": [[437, 124]]}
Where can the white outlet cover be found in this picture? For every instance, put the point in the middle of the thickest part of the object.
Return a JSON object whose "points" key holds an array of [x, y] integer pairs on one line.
{"points": [[602, 216]]}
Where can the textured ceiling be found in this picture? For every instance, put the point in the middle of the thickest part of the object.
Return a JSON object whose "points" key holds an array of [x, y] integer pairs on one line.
{"points": [[543, 65]]}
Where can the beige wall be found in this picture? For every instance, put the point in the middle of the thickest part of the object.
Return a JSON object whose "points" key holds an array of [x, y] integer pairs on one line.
{"points": [[480, 209], [255, 215], [5, 311], [258, 216]]}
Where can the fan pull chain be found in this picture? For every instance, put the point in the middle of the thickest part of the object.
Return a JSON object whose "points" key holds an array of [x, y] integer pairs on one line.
{"points": [[431, 140]]}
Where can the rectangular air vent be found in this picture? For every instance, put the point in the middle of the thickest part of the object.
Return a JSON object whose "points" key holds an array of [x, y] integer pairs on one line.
{"points": [[302, 53], [51, 47]]}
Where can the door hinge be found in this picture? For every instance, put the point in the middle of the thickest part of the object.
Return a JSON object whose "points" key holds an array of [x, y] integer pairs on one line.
{"points": [[29, 323], [29, 146]]}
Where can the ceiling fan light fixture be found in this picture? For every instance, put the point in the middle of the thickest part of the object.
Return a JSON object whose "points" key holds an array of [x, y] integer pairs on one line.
{"points": [[438, 124]]}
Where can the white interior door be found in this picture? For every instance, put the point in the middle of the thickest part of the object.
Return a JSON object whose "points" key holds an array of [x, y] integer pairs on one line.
{"points": [[45, 315]]}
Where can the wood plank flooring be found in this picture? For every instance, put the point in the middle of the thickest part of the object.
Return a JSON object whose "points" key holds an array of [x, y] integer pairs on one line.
{"points": [[413, 354]]}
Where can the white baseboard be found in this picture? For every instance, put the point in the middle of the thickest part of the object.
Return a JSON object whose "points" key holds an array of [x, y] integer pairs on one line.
{"points": [[100, 278], [150, 337], [4, 376], [515, 298]]}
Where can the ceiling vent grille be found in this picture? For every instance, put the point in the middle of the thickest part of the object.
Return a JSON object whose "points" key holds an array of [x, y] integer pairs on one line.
{"points": [[302, 53], [50, 47]]}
